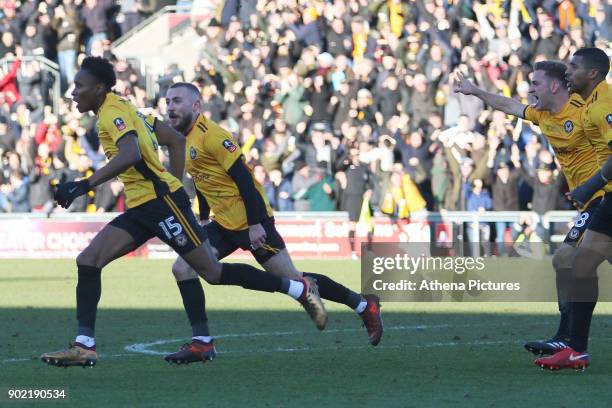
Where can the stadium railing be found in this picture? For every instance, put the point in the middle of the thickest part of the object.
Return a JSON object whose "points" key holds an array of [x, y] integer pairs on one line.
{"points": [[307, 234], [46, 65]]}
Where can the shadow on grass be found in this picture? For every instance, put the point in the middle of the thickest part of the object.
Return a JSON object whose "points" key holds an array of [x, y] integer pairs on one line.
{"points": [[266, 358]]}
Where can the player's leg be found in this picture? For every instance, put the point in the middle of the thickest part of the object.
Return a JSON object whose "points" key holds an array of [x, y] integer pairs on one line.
{"points": [[201, 347], [190, 243], [592, 252], [110, 243], [595, 247], [367, 307], [275, 258], [189, 285], [562, 263], [305, 291], [581, 294]]}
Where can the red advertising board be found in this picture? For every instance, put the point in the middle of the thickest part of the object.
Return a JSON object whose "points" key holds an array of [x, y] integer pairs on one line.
{"points": [[305, 238]]}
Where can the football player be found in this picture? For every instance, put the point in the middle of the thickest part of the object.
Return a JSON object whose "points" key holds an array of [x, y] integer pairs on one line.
{"points": [[158, 206], [243, 217], [559, 115], [586, 75]]}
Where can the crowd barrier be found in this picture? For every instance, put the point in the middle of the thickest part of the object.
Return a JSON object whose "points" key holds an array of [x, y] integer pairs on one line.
{"points": [[308, 235]]}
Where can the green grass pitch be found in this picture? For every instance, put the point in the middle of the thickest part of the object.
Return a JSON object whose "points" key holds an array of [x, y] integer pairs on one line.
{"points": [[271, 355]]}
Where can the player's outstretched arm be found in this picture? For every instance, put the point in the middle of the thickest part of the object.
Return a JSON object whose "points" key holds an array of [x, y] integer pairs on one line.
{"points": [[175, 142], [128, 155], [502, 103]]}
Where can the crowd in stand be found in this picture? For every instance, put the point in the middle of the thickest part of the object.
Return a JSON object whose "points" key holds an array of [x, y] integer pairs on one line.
{"points": [[312, 90]]}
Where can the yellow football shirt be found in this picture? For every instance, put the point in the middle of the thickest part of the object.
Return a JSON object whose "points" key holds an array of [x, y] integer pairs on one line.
{"points": [[597, 122], [148, 179], [566, 135], [211, 151]]}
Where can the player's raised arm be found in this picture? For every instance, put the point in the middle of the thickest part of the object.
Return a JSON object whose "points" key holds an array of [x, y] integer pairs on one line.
{"points": [[128, 155], [502, 103], [175, 142]]}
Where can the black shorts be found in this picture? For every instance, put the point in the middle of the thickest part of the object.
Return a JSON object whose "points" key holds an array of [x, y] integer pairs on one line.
{"points": [[169, 218], [584, 220], [352, 204], [601, 220], [226, 241]]}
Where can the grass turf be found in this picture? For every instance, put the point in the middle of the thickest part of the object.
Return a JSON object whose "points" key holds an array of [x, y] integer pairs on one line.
{"points": [[270, 354]]}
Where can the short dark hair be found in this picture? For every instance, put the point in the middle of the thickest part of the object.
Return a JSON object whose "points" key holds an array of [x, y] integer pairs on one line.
{"points": [[553, 69], [101, 69], [189, 86], [595, 58]]}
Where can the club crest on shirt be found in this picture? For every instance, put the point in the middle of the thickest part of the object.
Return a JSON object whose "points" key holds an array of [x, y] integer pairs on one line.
{"points": [[609, 119], [573, 234], [192, 153], [568, 126], [231, 147], [119, 124], [181, 240]]}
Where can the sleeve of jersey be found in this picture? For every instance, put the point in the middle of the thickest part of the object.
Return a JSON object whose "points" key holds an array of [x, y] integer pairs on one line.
{"points": [[117, 123], [602, 117], [532, 115], [225, 150]]}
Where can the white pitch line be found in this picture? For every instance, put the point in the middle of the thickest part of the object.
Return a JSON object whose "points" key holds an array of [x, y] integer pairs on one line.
{"points": [[16, 360], [144, 348]]}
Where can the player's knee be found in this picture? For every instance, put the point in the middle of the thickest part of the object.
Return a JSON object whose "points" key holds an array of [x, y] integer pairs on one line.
{"points": [[563, 258], [182, 272], [210, 271], [281, 265], [87, 258], [585, 263]]}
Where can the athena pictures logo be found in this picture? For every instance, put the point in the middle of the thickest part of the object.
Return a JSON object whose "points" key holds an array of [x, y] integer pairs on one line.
{"points": [[568, 126]]}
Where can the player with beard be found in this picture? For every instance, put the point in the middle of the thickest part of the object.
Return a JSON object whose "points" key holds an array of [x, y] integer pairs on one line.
{"points": [[242, 216]]}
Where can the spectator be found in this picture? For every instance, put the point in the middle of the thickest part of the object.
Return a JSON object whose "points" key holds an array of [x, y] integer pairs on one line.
{"points": [[8, 85], [320, 195], [364, 70], [67, 25], [479, 200], [95, 14], [17, 193], [280, 192]]}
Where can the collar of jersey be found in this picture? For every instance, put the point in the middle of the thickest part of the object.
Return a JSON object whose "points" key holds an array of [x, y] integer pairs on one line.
{"points": [[108, 96], [195, 123]]}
